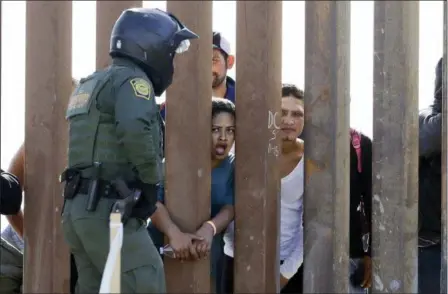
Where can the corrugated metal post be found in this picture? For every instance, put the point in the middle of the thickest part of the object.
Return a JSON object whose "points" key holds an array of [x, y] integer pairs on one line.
{"points": [[48, 84], [107, 13], [188, 144], [259, 47], [327, 85], [395, 147], [444, 202]]}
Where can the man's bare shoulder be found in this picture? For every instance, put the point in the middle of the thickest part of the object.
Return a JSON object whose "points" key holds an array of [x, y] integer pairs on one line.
{"points": [[299, 150], [300, 145]]}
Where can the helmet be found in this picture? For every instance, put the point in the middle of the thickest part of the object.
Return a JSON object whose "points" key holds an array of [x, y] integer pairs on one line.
{"points": [[151, 38]]}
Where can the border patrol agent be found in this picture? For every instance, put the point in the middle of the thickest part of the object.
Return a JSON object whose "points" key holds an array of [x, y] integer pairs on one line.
{"points": [[115, 150]]}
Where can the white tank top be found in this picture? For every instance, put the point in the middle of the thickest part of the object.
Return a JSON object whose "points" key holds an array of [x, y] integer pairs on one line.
{"points": [[291, 214]]}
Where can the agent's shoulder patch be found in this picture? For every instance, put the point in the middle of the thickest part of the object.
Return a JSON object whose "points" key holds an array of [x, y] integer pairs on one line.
{"points": [[78, 100], [81, 98], [142, 88]]}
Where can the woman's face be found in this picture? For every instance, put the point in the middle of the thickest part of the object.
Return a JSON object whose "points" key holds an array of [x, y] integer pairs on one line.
{"points": [[223, 134]]}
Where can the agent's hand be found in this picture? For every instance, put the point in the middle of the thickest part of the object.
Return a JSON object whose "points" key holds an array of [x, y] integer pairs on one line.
{"points": [[367, 282], [182, 245], [204, 246]]}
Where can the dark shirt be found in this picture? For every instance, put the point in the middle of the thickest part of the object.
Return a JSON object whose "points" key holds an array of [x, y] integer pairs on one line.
{"points": [[11, 194], [430, 132], [360, 184], [230, 93], [430, 176], [222, 189], [430, 164]]}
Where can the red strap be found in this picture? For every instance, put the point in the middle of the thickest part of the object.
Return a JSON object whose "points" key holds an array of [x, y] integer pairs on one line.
{"points": [[356, 142]]}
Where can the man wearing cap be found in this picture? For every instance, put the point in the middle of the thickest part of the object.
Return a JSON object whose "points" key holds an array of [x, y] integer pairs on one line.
{"points": [[223, 86]]}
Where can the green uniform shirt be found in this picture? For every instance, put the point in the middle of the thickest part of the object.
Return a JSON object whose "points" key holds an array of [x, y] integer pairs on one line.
{"points": [[138, 123], [114, 120]]}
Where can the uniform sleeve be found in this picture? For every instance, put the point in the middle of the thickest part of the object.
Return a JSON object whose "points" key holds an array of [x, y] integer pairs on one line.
{"points": [[137, 127], [430, 132], [292, 264], [11, 194]]}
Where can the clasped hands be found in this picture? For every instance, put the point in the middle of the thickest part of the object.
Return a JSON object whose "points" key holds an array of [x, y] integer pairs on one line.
{"points": [[191, 247]]}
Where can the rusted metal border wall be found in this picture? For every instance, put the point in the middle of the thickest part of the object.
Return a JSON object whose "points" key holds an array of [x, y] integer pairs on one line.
{"points": [[258, 80], [259, 43], [395, 146], [48, 84], [326, 201], [188, 167]]}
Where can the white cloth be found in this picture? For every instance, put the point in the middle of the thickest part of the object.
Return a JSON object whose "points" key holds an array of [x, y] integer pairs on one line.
{"points": [[291, 223]]}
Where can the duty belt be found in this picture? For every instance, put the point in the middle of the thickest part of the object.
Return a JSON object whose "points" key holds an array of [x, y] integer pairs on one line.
{"points": [[105, 189]]}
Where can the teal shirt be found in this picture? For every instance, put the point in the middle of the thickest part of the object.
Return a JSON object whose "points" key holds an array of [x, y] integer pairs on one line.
{"points": [[222, 189], [222, 193]]}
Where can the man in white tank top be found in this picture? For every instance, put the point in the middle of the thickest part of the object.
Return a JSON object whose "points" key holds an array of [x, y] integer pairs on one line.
{"points": [[292, 183]]}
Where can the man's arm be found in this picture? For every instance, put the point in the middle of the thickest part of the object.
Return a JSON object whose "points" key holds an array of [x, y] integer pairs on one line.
{"points": [[430, 132], [137, 127], [179, 241], [17, 168], [162, 221], [161, 218], [17, 165]]}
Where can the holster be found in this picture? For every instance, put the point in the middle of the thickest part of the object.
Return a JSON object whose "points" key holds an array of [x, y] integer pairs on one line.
{"points": [[129, 200], [147, 204], [72, 179], [139, 202]]}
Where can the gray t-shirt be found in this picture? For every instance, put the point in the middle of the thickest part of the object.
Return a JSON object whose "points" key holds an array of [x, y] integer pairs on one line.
{"points": [[13, 238]]}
